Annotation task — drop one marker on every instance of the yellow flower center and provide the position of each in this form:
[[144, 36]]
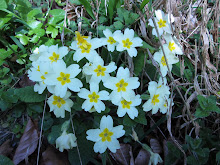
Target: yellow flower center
[[81, 39], [126, 104], [100, 70], [85, 49], [111, 40], [54, 57], [165, 105], [163, 62], [121, 85], [93, 97], [64, 78], [155, 99], [171, 46], [106, 135], [58, 101], [38, 68], [161, 23], [42, 77], [127, 43]]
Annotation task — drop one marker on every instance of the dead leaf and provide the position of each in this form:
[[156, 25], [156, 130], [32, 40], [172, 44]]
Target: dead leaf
[[25, 81], [53, 157], [155, 146], [27, 144], [142, 158], [122, 155], [5, 148]]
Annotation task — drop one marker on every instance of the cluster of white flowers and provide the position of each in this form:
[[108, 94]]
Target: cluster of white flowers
[[50, 71], [159, 92]]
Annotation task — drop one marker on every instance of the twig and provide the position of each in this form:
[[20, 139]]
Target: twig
[[41, 130]]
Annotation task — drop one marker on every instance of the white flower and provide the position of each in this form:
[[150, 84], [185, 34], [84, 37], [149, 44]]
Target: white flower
[[64, 78], [122, 85], [173, 44], [157, 97], [98, 71], [87, 51], [106, 136], [93, 98], [163, 23], [127, 41], [166, 105], [58, 105], [171, 59], [41, 51], [128, 107], [55, 54], [39, 73], [109, 41], [155, 159], [66, 141]]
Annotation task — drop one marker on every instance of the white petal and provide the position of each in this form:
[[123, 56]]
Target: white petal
[[111, 67], [73, 70], [99, 106], [121, 112], [107, 33], [77, 56], [147, 105], [120, 47], [100, 147], [87, 105], [127, 95], [129, 33], [93, 135], [111, 47], [115, 96], [104, 95], [110, 83], [123, 73], [94, 87], [63, 51], [75, 85], [84, 93], [113, 145], [137, 42], [152, 87], [133, 83], [132, 112], [132, 52], [106, 122]]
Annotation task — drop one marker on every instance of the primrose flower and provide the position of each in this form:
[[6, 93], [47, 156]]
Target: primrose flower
[[128, 107], [122, 85], [41, 51], [64, 78], [98, 71], [166, 105], [55, 54], [106, 136], [173, 44], [86, 50], [163, 23], [109, 40], [93, 98], [155, 159], [171, 59], [58, 105], [127, 41], [39, 73], [66, 141], [81, 40], [157, 96]]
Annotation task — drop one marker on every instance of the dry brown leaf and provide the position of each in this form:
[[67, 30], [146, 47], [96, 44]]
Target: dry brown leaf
[[27, 144], [53, 157], [155, 146], [142, 158], [122, 155], [5, 148]]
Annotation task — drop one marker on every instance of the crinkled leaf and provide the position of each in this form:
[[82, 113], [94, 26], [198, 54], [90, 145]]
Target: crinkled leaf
[[23, 39], [52, 30], [28, 95], [58, 15], [33, 13], [34, 24]]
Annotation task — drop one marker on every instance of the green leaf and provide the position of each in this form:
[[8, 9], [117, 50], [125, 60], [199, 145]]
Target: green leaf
[[5, 160], [33, 13], [145, 46], [52, 30], [54, 134], [218, 157], [23, 39], [118, 25], [28, 95], [111, 9], [201, 113], [139, 62], [86, 4], [4, 18], [3, 4], [127, 121], [144, 3], [23, 7], [141, 117], [76, 2], [58, 15], [34, 24]]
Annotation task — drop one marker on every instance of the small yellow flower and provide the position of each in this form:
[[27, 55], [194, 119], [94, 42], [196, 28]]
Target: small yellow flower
[[127, 43], [58, 101], [93, 97], [106, 135], [161, 23], [54, 57], [171, 46], [64, 78], [100, 70], [121, 85]]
